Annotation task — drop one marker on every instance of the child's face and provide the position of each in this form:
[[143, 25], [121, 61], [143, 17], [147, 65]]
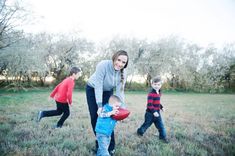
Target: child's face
[[156, 85], [76, 76], [115, 104]]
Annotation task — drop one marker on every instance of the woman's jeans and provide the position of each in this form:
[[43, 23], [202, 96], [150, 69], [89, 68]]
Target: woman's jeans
[[149, 119], [93, 108], [103, 141]]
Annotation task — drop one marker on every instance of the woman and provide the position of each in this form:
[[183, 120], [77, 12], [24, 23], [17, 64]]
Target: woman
[[109, 74]]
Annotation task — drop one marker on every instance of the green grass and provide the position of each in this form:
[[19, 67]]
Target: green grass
[[197, 124]]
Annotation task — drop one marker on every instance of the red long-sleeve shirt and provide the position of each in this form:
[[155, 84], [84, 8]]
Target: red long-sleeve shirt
[[63, 91]]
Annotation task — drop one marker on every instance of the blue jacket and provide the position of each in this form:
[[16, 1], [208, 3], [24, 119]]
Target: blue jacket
[[105, 125]]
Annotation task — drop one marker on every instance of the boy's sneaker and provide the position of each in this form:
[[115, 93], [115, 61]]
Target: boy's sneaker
[[40, 116], [94, 151], [166, 141], [112, 152], [56, 127], [139, 133]]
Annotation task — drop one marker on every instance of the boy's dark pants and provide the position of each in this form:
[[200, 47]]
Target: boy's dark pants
[[93, 108], [60, 108], [149, 119]]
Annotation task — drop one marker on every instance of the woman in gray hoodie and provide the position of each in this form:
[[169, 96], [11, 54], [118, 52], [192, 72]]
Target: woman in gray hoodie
[[109, 74]]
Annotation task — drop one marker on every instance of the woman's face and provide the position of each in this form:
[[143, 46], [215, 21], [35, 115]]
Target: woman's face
[[120, 62]]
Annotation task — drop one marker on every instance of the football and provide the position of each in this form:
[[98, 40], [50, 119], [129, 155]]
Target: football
[[122, 114]]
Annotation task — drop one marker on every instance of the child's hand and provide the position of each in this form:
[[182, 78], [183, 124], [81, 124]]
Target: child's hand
[[50, 99], [113, 112], [156, 114]]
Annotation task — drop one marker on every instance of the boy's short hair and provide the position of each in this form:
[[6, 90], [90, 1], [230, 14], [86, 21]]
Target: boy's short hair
[[116, 98], [156, 80], [74, 70]]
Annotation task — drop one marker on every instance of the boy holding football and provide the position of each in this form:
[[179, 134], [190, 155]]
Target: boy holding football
[[152, 114], [106, 124]]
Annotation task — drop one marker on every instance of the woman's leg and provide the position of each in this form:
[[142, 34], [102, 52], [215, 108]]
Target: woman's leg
[[92, 106]]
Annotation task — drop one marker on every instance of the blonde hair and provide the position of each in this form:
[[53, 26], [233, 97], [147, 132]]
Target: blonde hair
[[114, 98]]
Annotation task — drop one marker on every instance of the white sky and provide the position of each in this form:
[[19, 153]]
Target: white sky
[[200, 21]]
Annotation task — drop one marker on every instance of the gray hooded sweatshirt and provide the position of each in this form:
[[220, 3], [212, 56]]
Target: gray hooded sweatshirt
[[106, 78]]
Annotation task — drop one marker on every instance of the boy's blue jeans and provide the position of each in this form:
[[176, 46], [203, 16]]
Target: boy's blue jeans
[[103, 143], [149, 119]]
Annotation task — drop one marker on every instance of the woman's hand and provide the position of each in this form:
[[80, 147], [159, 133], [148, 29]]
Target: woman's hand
[[99, 110]]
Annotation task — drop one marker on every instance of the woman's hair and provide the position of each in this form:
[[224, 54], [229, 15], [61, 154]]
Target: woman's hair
[[74, 70], [115, 56], [118, 53]]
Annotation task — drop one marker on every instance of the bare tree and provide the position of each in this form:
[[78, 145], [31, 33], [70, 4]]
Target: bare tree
[[11, 16]]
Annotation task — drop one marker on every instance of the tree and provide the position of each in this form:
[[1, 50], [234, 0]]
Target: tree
[[11, 16], [35, 57], [159, 57]]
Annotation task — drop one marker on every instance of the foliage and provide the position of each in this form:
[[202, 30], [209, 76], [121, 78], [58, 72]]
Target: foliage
[[184, 66], [36, 57]]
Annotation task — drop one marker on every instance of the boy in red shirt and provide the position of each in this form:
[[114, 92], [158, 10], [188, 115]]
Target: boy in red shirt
[[63, 98], [152, 114]]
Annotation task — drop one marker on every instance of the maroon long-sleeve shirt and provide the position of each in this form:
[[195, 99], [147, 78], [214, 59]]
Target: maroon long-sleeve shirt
[[153, 101]]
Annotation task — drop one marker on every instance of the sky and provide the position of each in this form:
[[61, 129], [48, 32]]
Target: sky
[[198, 21]]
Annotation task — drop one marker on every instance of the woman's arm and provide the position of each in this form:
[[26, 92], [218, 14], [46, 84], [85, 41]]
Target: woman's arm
[[99, 75]]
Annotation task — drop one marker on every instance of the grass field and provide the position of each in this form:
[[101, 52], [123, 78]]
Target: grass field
[[197, 124]]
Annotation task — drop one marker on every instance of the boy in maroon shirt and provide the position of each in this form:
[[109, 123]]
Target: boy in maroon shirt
[[152, 114], [63, 98]]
